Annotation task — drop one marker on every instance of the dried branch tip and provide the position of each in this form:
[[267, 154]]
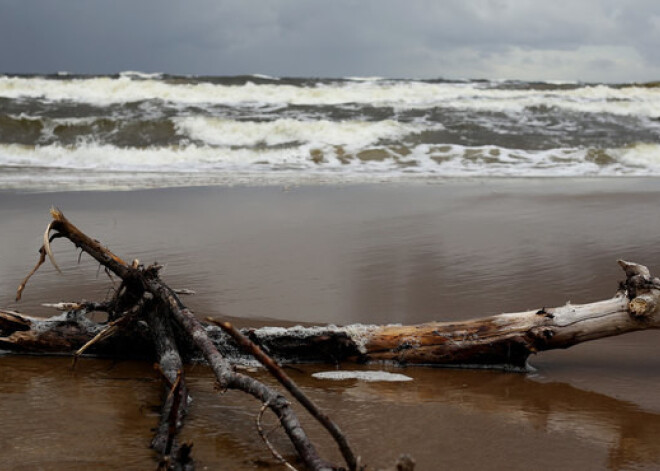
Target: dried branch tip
[[47, 246], [633, 269]]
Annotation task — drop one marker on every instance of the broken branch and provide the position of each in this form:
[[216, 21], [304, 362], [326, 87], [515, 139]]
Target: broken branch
[[279, 374]]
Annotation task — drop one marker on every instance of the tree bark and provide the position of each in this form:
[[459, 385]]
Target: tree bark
[[501, 341]]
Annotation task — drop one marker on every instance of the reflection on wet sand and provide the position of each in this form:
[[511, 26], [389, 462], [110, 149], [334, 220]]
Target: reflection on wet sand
[[97, 417], [101, 415], [629, 433]]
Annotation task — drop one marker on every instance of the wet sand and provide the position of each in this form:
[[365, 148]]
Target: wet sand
[[372, 254]]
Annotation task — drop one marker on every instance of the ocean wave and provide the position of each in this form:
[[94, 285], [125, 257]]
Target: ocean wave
[[264, 77], [352, 134], [103, 91], [134, 74], [36, 130], [155, 129], [366, 79], [141, 131], [383, 161]]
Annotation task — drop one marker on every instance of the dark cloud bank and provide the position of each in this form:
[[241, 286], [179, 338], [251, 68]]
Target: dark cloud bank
[[591, 40]]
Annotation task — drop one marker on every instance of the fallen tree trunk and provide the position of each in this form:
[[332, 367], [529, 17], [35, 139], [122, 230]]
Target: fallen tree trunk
[[501, 341], [148, 320]]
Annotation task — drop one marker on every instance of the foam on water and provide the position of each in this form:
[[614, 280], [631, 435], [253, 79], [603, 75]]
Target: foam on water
[[354, 134], [264, 77], [140, 75], [371, 376], [641, 156], [37, 165], [129, 87], [337, 164]]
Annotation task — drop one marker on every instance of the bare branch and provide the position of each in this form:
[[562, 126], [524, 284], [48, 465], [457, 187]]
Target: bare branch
[[250, 347], [42, 259]]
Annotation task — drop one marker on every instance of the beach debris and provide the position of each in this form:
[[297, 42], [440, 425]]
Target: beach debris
[[143, 299], [147, 320]]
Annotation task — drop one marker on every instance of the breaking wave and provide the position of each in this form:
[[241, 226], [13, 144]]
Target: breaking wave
[[134, 129], [258, 91]]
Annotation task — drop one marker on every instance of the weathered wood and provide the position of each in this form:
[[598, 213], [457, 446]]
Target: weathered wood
[[228, 378], [175, 403], [162, 308], [501, 341]]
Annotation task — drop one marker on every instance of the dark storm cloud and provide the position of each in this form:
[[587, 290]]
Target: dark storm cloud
[[588, 40]]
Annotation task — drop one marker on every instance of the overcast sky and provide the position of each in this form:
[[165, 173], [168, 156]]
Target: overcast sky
[[590, 40]]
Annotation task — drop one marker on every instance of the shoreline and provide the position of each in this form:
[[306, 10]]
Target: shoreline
[[267, 180]]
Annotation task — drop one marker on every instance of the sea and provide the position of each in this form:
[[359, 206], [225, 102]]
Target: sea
[[136, 130]]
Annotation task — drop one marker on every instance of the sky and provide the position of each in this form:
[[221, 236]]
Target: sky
[[585, 40]]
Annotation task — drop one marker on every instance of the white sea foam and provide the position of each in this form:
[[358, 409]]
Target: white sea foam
[[354, 134], [140, 75], [642, 156], [365, 79], [265, 77], [85, 163], [370, 376], [631, 100], [189, 159]]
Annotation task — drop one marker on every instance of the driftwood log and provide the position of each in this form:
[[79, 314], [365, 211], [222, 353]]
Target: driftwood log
[[147, 320], [503, 341]]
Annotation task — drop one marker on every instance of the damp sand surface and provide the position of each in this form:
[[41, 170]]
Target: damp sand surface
[[344, 254]]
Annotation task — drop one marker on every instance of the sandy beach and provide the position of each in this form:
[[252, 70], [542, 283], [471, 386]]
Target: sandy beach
[[388, 253]]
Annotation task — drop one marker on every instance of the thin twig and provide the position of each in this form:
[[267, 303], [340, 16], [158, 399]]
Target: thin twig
[[42, 259], [109, 330], [112, 328], [270, 446], [21, 287], [112, 280]]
